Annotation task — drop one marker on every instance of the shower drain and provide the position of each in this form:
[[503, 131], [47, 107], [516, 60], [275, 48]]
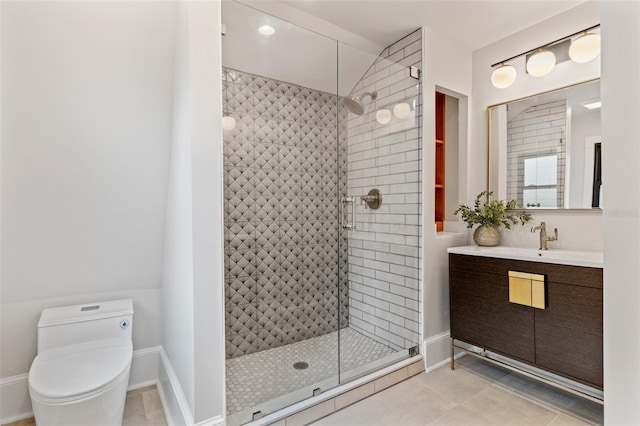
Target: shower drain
[[301, 365]]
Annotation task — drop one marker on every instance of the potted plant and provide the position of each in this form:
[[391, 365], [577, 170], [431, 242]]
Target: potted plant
[[490, 214]]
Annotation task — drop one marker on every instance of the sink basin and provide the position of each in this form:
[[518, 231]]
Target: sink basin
[[592, 259]]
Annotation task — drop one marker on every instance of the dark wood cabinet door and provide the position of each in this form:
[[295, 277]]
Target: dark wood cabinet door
[[482, 315], [568, 333]]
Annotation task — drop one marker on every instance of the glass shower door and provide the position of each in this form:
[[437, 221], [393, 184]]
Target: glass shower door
[[281, 248], [321, 277], [381, 183]]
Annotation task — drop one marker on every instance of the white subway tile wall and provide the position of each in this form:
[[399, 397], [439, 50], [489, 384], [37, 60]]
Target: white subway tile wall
[[384, 250], [537, 131]]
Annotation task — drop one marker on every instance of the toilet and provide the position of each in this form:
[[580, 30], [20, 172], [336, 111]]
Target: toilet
[[81, 372]]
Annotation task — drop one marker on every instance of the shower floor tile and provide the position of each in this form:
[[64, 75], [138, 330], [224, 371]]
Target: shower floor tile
[[262, 376]]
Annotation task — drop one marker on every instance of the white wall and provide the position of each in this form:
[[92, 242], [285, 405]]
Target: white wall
[[447, 68], [621, 128], [86, 96], [577, 230], [208, 249], [177, 276], [193, 292]]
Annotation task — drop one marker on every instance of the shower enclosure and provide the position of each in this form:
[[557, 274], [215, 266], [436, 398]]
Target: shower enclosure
[[322, 275]]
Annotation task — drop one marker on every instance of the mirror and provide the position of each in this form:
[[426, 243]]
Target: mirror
[[545, 150]]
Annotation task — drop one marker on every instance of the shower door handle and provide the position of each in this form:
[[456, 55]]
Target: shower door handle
[[344, 201]]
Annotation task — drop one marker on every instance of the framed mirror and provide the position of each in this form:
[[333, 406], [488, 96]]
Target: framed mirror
[[545, 150]]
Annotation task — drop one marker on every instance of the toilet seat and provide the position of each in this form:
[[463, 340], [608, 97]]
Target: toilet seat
[[74, 372]]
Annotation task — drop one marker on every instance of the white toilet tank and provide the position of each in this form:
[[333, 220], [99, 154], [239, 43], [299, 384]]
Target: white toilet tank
[[82, 323]]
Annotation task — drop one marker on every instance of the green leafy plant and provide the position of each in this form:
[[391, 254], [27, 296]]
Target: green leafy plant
[[492, 212]]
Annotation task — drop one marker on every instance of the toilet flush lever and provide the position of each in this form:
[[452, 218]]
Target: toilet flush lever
[[89, 308]]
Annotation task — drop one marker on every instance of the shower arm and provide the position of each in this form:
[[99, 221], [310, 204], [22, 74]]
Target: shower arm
[[372, 95]]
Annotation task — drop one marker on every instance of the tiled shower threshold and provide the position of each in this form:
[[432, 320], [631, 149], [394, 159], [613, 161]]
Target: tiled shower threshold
[[364, 356], [278, 403], [339, 397]]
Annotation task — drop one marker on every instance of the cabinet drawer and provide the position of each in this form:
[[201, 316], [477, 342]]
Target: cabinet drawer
[[576, 275]]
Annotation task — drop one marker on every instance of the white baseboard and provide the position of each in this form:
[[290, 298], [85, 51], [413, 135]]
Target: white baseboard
[[175, 404], [176, 408], [214, 421], [144, 368], [437, 350], [14, 398]]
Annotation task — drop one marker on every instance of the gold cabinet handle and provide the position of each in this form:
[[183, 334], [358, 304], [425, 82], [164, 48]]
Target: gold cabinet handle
[[527, 289]]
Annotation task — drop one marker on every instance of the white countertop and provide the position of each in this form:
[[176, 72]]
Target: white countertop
[[592, 259]]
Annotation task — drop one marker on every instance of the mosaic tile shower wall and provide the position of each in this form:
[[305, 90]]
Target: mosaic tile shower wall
[[281, 209]]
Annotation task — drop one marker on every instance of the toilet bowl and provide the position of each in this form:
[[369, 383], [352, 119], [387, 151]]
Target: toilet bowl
[[84, 380]]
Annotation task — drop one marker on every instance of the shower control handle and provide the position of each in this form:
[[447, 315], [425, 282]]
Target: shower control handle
[[344, 201]]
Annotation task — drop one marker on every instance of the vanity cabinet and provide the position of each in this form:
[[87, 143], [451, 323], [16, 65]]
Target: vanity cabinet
[[564, 338]]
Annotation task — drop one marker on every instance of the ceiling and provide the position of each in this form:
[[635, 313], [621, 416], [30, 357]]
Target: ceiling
[[300, 54], [292, 54], [472, 23]]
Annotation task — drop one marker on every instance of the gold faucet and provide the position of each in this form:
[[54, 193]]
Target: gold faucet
[[544, 238]]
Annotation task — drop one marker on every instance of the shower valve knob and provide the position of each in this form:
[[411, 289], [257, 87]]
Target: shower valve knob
[[373, 199]]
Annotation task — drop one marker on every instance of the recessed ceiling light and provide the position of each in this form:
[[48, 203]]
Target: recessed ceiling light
[[593, 105], [266, 30]]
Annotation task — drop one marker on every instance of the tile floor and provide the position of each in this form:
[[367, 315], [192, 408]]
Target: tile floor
[[262, 376], [142, 408], [476, 393]]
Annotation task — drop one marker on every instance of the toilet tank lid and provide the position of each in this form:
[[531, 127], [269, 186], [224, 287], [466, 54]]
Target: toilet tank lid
[[85, 312]]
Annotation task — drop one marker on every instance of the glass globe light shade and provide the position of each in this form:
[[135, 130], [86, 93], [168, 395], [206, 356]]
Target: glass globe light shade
[[541, 63], [585, 48], [228, 123], [383, 116], [402, 110], [503, 76]]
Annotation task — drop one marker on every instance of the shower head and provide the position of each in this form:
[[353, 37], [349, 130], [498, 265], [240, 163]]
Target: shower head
[[354, 103]]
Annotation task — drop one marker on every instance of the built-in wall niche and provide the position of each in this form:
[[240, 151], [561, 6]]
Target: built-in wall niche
[[545, 150], [446, 161]]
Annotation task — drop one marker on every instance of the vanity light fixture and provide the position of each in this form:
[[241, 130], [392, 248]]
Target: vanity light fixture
[[585, 48], [402, 110], [266, 30], [383, 116], [228, 123], [503, 76], [542, 60], [541, 63]]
